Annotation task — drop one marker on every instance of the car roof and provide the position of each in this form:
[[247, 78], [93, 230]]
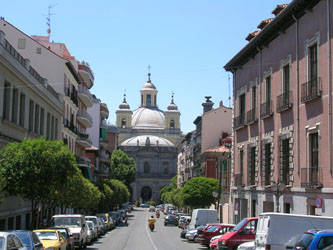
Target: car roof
[[4, 234], [45, 230], [320, 231], [68, 215]]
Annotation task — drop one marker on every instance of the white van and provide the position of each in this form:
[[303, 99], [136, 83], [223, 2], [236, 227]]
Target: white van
[[202, 217], [282, 231], [76, 224]]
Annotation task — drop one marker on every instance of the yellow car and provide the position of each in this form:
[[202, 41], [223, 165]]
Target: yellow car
[[51, 239]]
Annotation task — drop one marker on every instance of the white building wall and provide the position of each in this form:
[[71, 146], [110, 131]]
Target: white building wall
[[95, 113]]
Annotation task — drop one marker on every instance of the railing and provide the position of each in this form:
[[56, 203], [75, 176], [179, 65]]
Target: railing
[[251, 116], [70, 126], [251, 178], [238, 179], [239, 121], [103, 140], [311, 177], [14, 53], [311, 90], [84, 90], [85, 115], [266, 109], [284, 101], [84, 66], [83, 161]]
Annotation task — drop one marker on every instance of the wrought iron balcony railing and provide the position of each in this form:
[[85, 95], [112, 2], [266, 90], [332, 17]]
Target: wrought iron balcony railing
[[284, 101], [311, 177], [251, 116], [266, 109], [239, 121], [311, 90]]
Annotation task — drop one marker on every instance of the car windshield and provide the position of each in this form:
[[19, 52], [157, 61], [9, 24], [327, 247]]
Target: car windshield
[[200, 227], [2, 240], [305, 240], [47, 235], [240, 225], [90, 225], [67, 221], [24, 237], [212, 229]]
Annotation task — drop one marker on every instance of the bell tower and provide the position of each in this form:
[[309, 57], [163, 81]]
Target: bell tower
[[124, 115], [172, 116], [148, 94]]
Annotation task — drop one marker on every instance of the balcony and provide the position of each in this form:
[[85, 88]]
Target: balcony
[[239, 121], [251, 116], [85, 95], [311, 90], [86, 74], [70, 126], [103, 141], [251, 178], [266, 109], [72, 95], [104, 111], [83, 162], [284, 101], [83, 140], [311, 177], [238, 179], [84, 118]]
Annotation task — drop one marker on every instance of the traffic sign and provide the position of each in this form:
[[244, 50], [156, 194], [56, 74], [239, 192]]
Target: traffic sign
[[319, 201]]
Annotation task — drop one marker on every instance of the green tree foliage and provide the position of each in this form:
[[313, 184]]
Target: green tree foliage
[[36, 169], [106, 198], [2, 186], [122, 167], [166, 192], [197, 192], [120, 191]]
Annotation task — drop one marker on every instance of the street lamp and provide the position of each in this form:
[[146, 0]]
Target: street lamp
[[278, 189]]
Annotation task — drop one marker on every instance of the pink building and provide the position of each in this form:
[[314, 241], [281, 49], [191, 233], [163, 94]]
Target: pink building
[[282, 150]]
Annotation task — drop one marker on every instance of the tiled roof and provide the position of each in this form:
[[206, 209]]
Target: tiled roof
[[220, 149], [252, 34], [279, 8], [264, 23]]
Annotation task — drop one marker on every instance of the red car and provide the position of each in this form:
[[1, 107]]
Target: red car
[[212, 230], [244, 231]]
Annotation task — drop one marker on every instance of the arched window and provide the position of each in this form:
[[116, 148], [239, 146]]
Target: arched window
[[146, 168], [172, 124], [165, 167], [148, 100], [123, 123], [141, 100]]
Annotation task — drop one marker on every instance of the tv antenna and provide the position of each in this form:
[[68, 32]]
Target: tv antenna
[[48, 19]]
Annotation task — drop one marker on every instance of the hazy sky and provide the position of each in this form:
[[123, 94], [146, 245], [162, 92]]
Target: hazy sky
[[186, 42]]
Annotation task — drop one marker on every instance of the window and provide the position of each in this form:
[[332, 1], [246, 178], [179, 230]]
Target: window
[[10, 223], [325, 242], [148, 100], [242, 106], [48, 126], [52, 128], [39, 50], [287, 208], [21, 43], [123, 123], [313, 63], [141, 100], [146, 168], [172, 124], [36, 119], [252, 165], [31, 115], [6, 101], [268, 89], [314, 158], [41, 125], [15, 106], [27, 221], [56, 129], [155, 100], [165, 167], [285, 161], [2, 224], [267, 164], [22, 110], [241, 166], [286, 79], [18, 222], [254, 98]]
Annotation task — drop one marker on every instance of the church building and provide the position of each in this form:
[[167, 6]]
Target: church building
[[150, 136]]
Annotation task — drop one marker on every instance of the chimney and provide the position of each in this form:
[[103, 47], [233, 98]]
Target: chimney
[[208, 105]]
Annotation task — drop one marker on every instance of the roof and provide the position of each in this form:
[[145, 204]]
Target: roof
[[281, 22], [147, 118], [219, 149], [147, 140]]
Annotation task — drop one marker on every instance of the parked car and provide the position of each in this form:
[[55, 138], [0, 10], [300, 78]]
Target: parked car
[[170, 220], [204, 235], [106, 219], [213, 242], [183, 220], [315, 240], [101, 226], [67, 235], [144, 205], [51, 239], [251, 245], [202, 217], [9, 240], [192, 233], [269, 233], [76, 224], [29, 239], [245, 231], [152, 209], [92, 232], [116, 216], [96, 222]]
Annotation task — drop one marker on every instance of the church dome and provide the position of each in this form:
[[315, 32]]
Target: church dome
[[148, 85], [124, 104], [147, 140], [148, 118], [172, 105]]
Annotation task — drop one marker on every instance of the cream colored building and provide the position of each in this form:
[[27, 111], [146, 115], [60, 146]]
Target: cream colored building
[[29, 108], [150, 136]]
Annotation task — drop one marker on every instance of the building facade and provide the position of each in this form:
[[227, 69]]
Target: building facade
[[282, 151], [29, 108], [150, 136]]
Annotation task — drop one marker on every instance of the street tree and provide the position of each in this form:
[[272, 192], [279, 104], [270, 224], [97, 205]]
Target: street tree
[[120, 190], [198, 192], [166, 192], [34, 169], [105, 203], [122, 167]]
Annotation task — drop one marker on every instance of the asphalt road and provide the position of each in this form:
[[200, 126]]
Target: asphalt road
[[137, 236]]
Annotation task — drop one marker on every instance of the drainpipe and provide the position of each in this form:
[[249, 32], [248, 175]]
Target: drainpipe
[[298, 100], [259, 120], [329, 64], [232, 169]]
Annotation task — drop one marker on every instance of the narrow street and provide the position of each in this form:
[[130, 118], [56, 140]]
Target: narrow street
[[137, 236]]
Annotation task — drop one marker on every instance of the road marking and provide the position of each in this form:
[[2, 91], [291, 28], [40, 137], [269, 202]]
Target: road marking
[[151, 240]]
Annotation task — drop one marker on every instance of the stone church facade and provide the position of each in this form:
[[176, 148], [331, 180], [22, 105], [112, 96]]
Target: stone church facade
[[150, 136]]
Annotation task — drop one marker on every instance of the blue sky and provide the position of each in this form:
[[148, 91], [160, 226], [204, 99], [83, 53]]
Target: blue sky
[[186, 42]]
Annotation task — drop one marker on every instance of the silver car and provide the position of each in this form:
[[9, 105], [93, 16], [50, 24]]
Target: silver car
[[92, 231], [9, 240]]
